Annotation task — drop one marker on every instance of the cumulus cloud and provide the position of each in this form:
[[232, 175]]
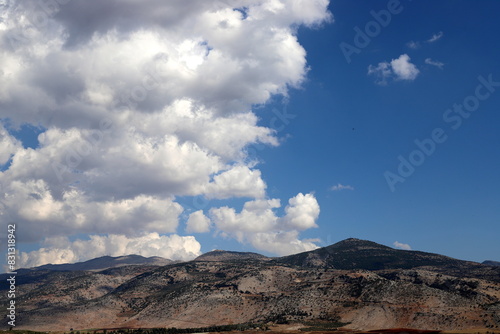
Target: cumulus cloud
[[438, 64], [301, 212], [198, 223], [142, 103], [259, 225], [400, 245], [8, 145], [282, 243], [58, 250], [382, 72], [398, 69], [340, 187], [403, 69], [32, 201], [239, 181]]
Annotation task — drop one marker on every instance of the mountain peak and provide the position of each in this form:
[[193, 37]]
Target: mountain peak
[[358, 242], [355, 253]]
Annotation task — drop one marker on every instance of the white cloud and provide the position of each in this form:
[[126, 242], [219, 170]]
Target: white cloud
[[258, 224], [63, 214], [416, 44], [398, 69], [256, 216], [282, 243], [435, 37], [434, 63], [238, 181], [400, 245], [198, 223], [301, 212], [340, 187], [382, 71], [8, 145], [62, 250], [403, 69], [143, 103]]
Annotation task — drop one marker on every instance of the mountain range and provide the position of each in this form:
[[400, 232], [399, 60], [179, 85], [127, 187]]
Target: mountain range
[[105, 262], [359, 284]]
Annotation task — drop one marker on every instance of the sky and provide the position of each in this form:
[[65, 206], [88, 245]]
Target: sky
[[172, 128]]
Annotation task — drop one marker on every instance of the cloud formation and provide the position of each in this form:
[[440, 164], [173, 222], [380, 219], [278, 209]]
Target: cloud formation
[[8, 145], [198, 223], [435, 37], [438, 64], [340, 187], [400, 245], [60, 250], [140, 103], [397, 69], [403, 69], [259, 225]]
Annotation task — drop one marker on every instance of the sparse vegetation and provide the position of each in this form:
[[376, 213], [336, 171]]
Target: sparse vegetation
[[15, 331], [314, 326], [173, 330]]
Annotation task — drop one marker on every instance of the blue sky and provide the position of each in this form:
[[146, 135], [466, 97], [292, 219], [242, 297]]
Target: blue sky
[[275, 143], [449, 205]]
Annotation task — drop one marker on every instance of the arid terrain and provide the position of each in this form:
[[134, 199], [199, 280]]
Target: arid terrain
[[359, 284]]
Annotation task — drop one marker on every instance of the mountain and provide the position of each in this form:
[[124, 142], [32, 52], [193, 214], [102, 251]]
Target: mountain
[[107, 262], [491, 263], [358, 284], [220, 255], [353, 254], [361, 254]]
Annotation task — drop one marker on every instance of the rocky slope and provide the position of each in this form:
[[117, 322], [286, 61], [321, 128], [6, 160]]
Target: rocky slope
[[221, 255], [491, 263], [399, 289]]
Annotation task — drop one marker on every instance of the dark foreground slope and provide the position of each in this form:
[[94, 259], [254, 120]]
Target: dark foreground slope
[[491, 263], [204, 293]]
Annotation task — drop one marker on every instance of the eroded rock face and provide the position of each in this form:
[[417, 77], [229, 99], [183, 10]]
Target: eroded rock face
[[452, 295]]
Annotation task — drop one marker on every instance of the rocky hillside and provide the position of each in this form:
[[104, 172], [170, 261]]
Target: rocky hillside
[[362, 254], [221, 255], [491, 263], [300, 288]]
